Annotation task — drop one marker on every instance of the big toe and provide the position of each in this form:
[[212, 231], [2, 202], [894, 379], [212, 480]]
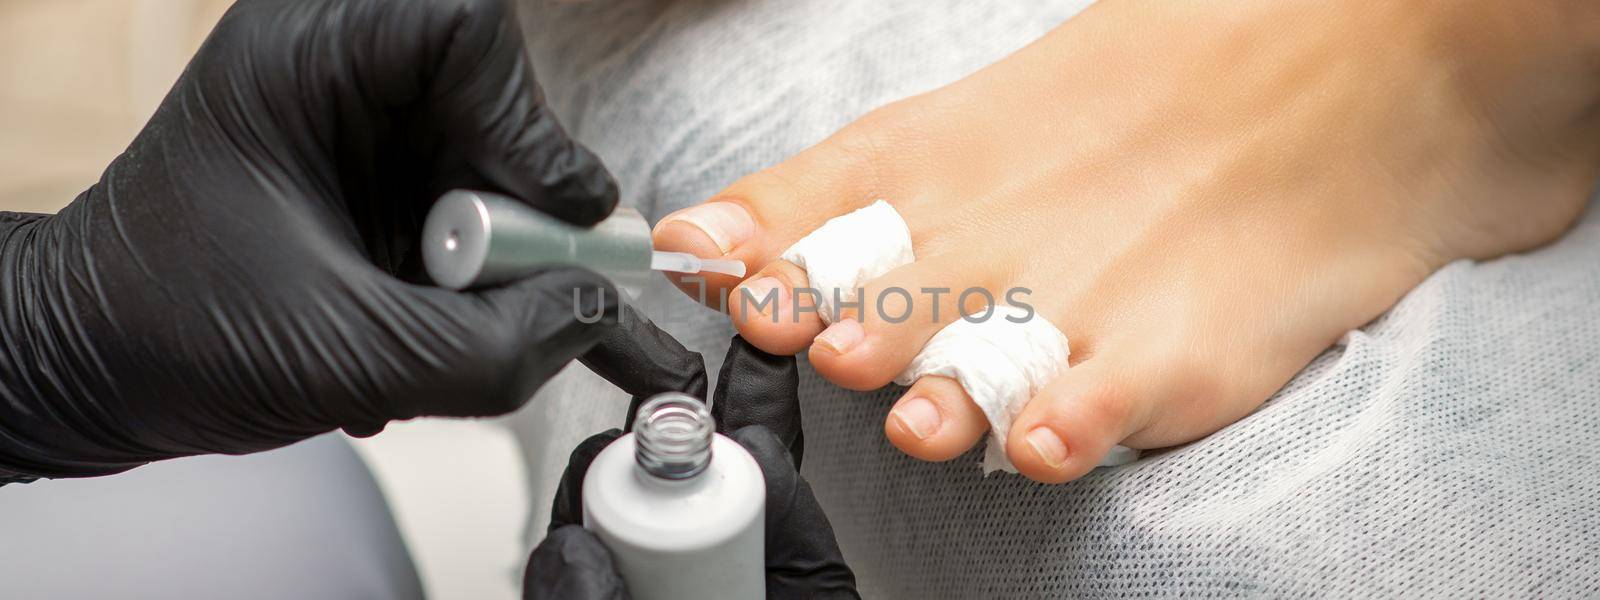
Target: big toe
[[754, 221], [716, 229]]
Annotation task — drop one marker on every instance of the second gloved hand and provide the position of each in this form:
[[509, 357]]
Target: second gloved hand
[[245, 275], [757, 405]]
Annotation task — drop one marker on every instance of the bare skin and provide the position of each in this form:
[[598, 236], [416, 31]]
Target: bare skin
[[1201, 196]]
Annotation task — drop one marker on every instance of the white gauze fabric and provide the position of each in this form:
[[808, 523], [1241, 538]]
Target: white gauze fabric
[[1001, 360], [850, 250]]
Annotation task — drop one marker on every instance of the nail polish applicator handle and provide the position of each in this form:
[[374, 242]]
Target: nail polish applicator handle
[[474, 239]]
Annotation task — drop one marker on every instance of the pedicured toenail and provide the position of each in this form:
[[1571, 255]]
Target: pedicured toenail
[[840, 337], [726, 223], [918, 416], [1048, 447], [764, 295]]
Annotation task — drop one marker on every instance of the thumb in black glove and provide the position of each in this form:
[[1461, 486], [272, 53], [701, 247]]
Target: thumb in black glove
[[245, 275], [757, 405]]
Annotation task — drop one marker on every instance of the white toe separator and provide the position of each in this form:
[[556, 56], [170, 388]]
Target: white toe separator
[[850, 250], [1001, 361]]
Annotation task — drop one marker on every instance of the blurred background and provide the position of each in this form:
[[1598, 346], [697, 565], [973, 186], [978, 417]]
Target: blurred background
[[78, 79]]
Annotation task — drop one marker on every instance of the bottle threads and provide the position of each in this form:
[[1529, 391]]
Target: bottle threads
[[672, 436]]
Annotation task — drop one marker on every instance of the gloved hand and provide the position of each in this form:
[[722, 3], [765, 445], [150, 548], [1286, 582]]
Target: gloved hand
[[247, 273], [757, 404]]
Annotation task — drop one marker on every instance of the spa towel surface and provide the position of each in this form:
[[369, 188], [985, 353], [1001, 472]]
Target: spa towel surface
[[1449, 448]]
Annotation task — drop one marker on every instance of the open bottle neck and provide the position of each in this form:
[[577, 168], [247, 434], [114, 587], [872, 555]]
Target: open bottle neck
[[672, 437]]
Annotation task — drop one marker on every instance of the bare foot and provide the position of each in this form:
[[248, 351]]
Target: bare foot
[[1201, 196]]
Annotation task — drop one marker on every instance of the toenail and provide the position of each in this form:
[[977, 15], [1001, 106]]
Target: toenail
[[918, 416], [726, 223], [1048, 447], [765, 295], [842, 336]]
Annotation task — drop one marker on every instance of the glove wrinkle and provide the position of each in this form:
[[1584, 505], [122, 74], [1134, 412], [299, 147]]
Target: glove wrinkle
[[572, 564]]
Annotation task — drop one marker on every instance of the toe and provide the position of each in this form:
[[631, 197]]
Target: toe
[[761, 215], [935, 420], [898, 313], [769, 312], [1070, 426], [710, 230]]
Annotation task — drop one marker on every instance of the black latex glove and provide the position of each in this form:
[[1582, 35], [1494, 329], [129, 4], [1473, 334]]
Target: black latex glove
[[247, 273], [757, 400]]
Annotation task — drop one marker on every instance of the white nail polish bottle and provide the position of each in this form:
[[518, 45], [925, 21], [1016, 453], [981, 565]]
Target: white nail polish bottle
[[680, 507]]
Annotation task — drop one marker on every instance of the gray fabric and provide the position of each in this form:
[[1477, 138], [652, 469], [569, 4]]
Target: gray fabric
[[1447, 449], [306, 521]]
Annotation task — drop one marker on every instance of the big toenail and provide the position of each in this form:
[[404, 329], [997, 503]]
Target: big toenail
[[918, 416], [842, 336], [726, 223], [1048, 447]]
